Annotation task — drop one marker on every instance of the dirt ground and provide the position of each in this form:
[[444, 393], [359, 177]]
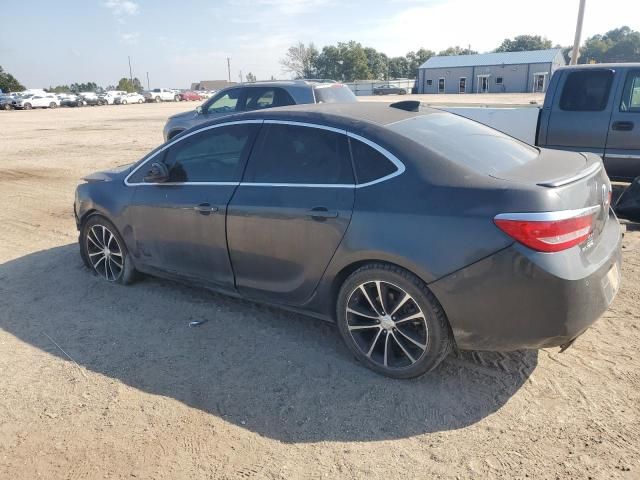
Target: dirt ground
[[104, 381]]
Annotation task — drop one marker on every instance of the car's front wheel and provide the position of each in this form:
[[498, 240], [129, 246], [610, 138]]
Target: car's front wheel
[[27, 106], [139, 101], [392, 322], [104, 251]]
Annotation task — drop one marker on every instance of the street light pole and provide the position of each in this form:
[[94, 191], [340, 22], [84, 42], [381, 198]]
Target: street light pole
[[229, 68], [576, 41], [130, 72]]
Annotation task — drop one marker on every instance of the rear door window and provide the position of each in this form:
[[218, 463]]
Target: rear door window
[[631, 93], [295, 154], [259, 98], [586, 91]]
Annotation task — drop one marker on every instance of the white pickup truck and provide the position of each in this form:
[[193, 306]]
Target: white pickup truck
[[587, 108], [161, 95]]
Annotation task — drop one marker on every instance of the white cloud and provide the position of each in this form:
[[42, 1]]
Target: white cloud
[[122, 7], [484, 25], [284, 7], [130, 38]]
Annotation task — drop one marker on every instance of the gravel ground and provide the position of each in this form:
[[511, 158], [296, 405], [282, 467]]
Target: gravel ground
[[105, 381]]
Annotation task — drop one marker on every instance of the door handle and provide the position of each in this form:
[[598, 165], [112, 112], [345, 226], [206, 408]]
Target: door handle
[[321, 213], [623, 126], [205, 209]]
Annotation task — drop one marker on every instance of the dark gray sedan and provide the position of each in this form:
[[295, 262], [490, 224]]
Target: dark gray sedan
[[413, 229]]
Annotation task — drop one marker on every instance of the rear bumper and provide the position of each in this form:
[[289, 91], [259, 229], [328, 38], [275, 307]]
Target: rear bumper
[[519, 299]]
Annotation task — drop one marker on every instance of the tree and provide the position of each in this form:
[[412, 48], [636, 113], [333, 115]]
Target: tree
[[300, 60], [398, 67], [617, 45], [415, 59], [84, 87], [377, 63], [8, 82], [128, 86], [58, 89], [251, 77], [523, 43], [457, 51]]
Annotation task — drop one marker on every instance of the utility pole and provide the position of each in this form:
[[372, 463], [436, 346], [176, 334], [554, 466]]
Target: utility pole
[[130, 72], [229, 68], [240, 76], [148, 87], [576, 40]]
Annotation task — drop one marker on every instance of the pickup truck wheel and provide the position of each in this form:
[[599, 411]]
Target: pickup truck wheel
[[158, 99]]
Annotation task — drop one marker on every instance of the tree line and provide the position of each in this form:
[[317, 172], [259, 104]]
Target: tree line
[[349, 61]]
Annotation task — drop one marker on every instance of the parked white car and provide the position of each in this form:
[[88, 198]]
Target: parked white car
[[130, 98], [110, 96], [36, 101], [161, 95]]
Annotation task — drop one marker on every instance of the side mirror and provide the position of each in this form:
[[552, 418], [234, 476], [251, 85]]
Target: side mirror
[[157, 174], [199, 109]]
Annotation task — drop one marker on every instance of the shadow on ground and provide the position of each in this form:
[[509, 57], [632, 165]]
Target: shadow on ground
[[279, 374]]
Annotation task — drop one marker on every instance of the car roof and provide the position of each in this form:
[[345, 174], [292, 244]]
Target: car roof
[[338, 115]]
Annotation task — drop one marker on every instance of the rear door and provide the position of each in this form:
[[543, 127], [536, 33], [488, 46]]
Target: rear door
[[582, 111], [622, 156], [289, 214]]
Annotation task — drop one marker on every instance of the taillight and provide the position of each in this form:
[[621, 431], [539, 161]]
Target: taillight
[[549, 231]]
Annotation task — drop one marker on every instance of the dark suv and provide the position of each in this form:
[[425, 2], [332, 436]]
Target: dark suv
[[258, 96]]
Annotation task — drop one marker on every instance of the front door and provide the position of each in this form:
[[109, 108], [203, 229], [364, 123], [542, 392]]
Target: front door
[[483, 84], [289, 214], [539, 82], [622, 155], [178, 226]]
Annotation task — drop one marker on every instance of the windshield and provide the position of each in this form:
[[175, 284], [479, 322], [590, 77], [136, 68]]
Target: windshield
[[334, 93], [466, 142]]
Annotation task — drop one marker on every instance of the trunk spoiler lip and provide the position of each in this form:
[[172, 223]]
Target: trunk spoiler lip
[[586, 172]]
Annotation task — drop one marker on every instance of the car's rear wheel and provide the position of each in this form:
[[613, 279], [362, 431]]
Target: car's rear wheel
[[6, 106], [53, 105], [124, 102], [392, 322], [177, 98], [104, 251], [139, 101], [158, 99]]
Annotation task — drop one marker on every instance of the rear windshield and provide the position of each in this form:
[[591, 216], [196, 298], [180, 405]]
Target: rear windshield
[[466, 142], [334, 93]]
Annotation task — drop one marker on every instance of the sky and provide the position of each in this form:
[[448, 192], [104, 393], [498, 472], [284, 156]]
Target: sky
[[50, 43]]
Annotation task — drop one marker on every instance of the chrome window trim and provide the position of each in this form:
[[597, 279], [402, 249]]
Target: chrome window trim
[[400, 168], [390, 156], [173, 142], [548, 216]]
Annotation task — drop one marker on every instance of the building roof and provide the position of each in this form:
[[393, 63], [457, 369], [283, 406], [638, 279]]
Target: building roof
[[486, 59]]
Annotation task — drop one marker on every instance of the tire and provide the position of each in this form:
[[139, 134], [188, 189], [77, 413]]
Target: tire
[[413, 346], [139, 102], [176, 98], [6, 106], [97, 232], [27, 106], [158, 99], [53, 105], [403, 92], [123, 102]]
